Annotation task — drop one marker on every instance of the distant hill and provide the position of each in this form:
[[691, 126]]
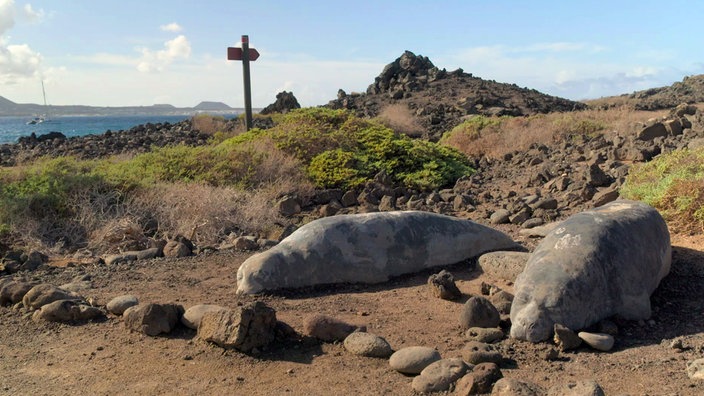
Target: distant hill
[[689, 90], [441, 99], [207, 106], [10, 108]]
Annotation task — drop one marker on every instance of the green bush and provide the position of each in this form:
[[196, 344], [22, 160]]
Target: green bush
[[674, 184], [472, 128], [413, 163]]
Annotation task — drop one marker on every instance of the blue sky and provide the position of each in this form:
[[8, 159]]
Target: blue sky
[[114, 53]]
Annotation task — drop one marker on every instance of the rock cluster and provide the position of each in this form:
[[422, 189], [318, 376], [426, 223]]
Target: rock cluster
[[138, 139], [285, 102], [440, 98]]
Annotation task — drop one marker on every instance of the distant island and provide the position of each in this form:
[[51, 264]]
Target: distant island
[[10, 108]]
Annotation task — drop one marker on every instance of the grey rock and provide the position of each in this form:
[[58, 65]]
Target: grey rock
[[412, 360], [349, 199], [245, 243], [442, 285], [479, 352], [175, 249], [501, 216], [119, 304], [45, 293], [578, 388], [367, 344], [366, 248], [439, 375], [245, 328], [289, 206], [533, 222], [329, 329], [545, 203], [503, 265], [502, 300], [653, 131], [479, 312], [193, 315], [67, 311], [12, 291], [613, 256], [602, 197], [387, 204], [565, 338], [598, 341], [484, 335], [514, 387], [152, 319]]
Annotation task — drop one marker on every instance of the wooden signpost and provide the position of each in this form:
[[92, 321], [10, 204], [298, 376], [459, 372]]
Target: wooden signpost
[[245, 54]]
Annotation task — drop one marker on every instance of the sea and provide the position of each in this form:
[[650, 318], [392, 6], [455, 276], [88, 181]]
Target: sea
[[12, 128]]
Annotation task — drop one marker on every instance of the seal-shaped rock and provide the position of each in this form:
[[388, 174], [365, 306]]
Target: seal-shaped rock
[[599, 263], [367, 248]]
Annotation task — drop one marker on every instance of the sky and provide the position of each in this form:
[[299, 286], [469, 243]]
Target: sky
[[144, 52]]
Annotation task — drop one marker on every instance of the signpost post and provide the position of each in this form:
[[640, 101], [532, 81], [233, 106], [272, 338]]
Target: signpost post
[[245, 54]]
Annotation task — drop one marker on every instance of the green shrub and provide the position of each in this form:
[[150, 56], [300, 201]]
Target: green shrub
[[472, 128], [413, 163], [674, 184]]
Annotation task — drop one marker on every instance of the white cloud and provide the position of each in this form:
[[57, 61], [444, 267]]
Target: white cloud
[[7, 15], [565, 69], [19, 61], [32, 15], [171, 27], [178, 48]]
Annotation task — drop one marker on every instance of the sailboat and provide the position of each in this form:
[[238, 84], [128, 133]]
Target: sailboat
[[42, 117]]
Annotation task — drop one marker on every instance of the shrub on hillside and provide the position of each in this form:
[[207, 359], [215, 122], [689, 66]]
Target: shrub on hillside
[[674, 184]]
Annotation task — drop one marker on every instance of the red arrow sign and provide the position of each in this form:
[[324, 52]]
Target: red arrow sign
[[235, 53]]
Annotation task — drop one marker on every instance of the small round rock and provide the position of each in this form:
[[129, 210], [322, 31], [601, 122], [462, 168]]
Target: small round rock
[[439, 375], [598, 341], [119, 304], [412, 360], [367, 344]]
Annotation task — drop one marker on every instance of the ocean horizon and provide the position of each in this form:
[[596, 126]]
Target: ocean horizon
[[12, 128]]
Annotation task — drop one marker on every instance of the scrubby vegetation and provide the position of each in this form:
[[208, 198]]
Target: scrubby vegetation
[[674, 184], [209, 191], [495, 136]]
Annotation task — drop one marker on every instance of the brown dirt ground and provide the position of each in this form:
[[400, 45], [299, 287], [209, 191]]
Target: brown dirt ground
[[103, 358]]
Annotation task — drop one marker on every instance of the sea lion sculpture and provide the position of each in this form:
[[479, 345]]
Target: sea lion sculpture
[[596, 264], [367, 248]]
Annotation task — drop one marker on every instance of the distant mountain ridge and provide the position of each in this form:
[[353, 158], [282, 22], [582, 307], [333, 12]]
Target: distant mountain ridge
[[10, 108]]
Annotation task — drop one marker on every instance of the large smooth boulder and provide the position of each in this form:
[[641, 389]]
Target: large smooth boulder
[[596, 264], [367, 248]]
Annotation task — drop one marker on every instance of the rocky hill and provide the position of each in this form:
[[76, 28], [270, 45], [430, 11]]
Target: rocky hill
[[440, 99], [689, 90]]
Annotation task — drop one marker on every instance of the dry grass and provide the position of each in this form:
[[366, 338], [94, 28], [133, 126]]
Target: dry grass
[[208, 124], [508, 134], [402, 120]]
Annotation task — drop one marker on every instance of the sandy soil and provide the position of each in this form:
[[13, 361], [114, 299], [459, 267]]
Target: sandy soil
[[103, 358]]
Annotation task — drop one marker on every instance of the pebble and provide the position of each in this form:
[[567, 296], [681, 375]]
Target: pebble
[[440, 375], [598, 341], [479, 312], [119, 304], [367, 344], [478, 352], [413, 359]]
